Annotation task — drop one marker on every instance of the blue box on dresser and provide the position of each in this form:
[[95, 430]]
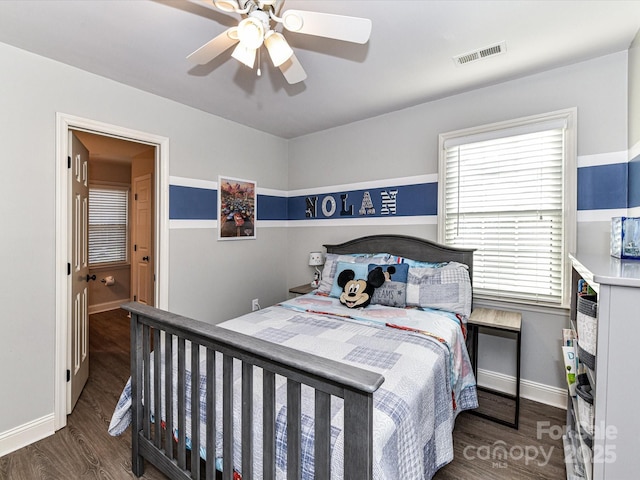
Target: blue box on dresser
[[625, 237]]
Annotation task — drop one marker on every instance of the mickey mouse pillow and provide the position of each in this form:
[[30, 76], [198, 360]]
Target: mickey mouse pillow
[[358, 292]]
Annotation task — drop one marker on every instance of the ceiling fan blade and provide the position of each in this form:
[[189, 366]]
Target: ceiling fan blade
[[215, 47], [339, 27], [292, 70]]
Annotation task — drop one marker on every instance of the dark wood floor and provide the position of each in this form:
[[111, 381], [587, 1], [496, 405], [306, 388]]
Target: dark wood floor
[[84, 449], [487, 450]]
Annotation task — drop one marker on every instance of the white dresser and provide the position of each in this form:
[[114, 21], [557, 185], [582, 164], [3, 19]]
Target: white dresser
[[615, 454]]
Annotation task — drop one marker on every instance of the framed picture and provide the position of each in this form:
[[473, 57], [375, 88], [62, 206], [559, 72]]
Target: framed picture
[[237, 201]]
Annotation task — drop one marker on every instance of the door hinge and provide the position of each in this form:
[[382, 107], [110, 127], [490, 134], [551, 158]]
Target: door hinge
[[135, 298], [69, 161], [68, 269], [68, 375], [135, 248], [135, 196]]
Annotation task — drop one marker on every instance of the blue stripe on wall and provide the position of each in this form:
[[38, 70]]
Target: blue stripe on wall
[[602, 187], [190, 203], [403, 201], [272, 208], [634, 182]]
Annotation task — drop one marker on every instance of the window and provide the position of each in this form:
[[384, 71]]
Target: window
[[108, 224], [508, 190]]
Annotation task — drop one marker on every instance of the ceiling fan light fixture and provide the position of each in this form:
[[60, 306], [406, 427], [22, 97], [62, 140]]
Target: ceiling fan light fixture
[[279, 49], [251, 32], [244, 55], [226, 5], [292, 21], [232, 33]]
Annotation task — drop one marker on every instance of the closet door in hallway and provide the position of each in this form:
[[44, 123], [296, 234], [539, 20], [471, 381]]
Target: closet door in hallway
[[142, 233]]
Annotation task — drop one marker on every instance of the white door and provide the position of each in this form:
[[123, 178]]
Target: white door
[[78, 342], [143, 271]]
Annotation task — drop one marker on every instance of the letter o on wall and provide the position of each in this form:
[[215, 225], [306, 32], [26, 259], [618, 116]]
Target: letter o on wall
[[327, 210]]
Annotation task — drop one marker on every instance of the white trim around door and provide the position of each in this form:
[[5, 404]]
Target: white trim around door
[[64, 123]]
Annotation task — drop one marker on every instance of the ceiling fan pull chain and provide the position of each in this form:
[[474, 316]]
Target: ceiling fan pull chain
[[258, 70]]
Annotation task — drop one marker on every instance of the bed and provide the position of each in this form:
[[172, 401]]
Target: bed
[[310, 388]]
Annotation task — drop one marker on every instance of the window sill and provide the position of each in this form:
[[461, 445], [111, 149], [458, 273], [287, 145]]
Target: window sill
[[493, 302], [109, 266]]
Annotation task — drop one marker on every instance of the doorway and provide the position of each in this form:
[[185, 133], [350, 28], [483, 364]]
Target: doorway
[[121, 254], [151, 178]]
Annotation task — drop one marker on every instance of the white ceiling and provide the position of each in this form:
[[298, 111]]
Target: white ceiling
[[408, 60]]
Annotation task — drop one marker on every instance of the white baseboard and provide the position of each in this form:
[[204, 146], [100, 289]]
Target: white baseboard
[[105, 307], [538, 392], [26, 434]]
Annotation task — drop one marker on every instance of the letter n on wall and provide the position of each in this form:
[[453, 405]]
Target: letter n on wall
[[311, 210]]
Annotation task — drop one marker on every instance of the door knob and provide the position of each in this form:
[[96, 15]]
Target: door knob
[[145, 259], [90, 277]]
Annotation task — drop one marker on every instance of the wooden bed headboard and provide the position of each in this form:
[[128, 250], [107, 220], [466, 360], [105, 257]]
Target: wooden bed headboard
[[406, 246]]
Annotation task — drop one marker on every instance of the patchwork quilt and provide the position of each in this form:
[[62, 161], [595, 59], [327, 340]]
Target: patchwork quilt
[[420, 352]]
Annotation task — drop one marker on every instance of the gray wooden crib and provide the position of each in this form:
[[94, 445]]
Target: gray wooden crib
[[165, 444]]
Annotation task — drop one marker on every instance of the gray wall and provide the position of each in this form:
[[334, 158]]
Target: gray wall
[[208, 279], [405, 143], [634, 92], [634, 127]]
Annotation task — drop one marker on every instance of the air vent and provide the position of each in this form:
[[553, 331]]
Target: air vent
[[489, 51]]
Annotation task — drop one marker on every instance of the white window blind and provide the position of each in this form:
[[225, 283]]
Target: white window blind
[[505, 196], [108, 216]]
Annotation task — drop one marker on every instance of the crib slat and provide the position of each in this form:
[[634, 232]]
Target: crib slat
[[182, 445], [322, 433], [269, 425], [247, 421], [294, 466], [146, 390], [358, 435], [211, 414], [195, 411], [168, 387], [227, 418], [157, 389], [137, 361]]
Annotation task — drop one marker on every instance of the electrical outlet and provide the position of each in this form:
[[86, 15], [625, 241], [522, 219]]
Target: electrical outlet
[[255, 305]]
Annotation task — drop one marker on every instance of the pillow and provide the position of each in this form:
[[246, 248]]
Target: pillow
[[357, 292], [332, 259], [361, 271], [393, 291], [444, 288], [420, 264]]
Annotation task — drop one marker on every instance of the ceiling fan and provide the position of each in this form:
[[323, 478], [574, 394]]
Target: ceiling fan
[[257, 28]]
